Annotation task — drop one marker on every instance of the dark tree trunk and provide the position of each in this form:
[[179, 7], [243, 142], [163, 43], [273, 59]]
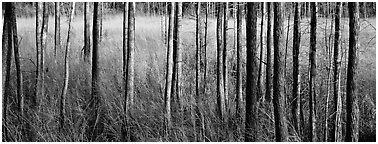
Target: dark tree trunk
[[296, 45], [335, 131], [198, 62], [259, 80], [220, 86], [57, 27], [251, 85], [312, 84], [278, 78], [352, 110], [269, 60], [124, 129], [239, 80], [95, 107], [87, 37]]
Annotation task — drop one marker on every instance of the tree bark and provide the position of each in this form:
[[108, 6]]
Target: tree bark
[[296, 46], [66, 70], [269, 60], [130, 54], [87, 37], [225, 61], [179, 89], [40, 82], [335, 131], [239, 80], [125, 130], [169, 75], [251, 86], [57, 27], [198, 67], [278, 78], [7, 45], [312, 85], [220, 83], [95, 107], [259, 80], [352, 110]]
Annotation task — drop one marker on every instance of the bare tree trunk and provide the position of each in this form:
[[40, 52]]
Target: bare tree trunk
[[225, 61], [352, 110], [130, 54], [95, 108], [100, 25], [87, 37], [57, 27], [178, 29], [312, 85], [220, 86], [239, 92], [205, 48], [7, 46], [198, 61], [269, 60], [169, 72], [40, 82], [125, 130], [259, 80], [278, 78], [67, 70], [251, 86], [336, 111], [296, 46]]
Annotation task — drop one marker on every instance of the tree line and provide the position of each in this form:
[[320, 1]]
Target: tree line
[[247, 113]]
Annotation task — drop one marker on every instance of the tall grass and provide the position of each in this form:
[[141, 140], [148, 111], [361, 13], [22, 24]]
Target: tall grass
[[147, 117]]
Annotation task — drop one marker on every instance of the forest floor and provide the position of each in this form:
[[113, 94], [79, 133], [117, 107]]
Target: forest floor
[[150, 58]]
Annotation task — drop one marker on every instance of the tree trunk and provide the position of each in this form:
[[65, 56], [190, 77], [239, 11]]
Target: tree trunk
[[269, 60], [40, 82], [67, 70], [87, 37], [124, 129], [95, 107], [220, 87], [198, 67], [225, 61], [335, 130], [177, 29], [239, 80], [100, 24], [7, 46], [312, 84], [352, 110], [259, 80], [168, 84], [296, 47], [57, 27], [251, 86], [278, 78], [130, 54]]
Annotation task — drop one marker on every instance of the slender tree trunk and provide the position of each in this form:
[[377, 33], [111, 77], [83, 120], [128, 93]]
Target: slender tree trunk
[[225, 61], [198, 67], [239, 80], [130, 54], [260, 76], [336, 111], [312, 85], [125, 130], [296, 46], [269, 60], [87, 37], [169, 75], [278, 78], [251, 86], [100, 25], [7, 45], [66, 70], [95, 108], [352, 110], [205, 48], [57, 27], [220, 83], [179, 54], [40, 83]]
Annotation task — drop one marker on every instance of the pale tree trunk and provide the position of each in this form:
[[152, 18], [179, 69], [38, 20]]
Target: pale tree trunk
[[57, 28], [66, 69], [130, 54], [269, 60], [281, 130], [352, 110], [335, 130], [296, 46], [259, 80], [169, 73], [312, 137], [87, 37], [180, 78], [220, 86], [252, 73], [239, 80], [225, 61]]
